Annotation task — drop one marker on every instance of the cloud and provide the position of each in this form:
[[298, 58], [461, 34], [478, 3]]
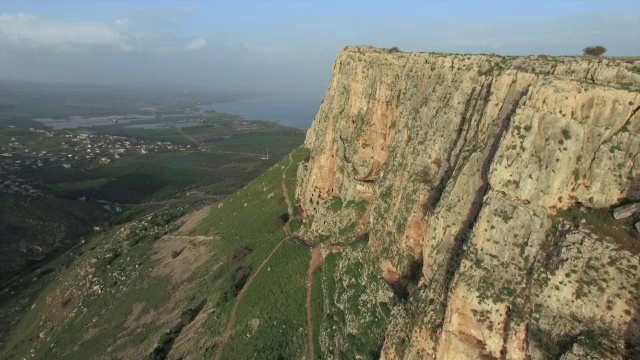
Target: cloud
[[122, 22], [30, 30], [196, 44], [141, 34]]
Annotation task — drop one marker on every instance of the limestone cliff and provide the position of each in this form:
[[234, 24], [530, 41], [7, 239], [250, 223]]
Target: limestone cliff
[[483, 185]]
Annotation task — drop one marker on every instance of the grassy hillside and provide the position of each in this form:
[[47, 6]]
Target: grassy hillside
[[224, 282]]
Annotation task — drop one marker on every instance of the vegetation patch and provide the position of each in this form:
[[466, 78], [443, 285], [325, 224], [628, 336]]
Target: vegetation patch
[[351, 283], [600, 220], [165, 343], [336, 203], [240, 278], [277, 297], [239, 254]]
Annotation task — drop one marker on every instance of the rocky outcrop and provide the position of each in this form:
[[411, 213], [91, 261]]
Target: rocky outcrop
[[493, 177], [625, 211]]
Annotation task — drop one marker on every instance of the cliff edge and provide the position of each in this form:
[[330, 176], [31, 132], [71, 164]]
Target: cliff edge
[[483, 188]]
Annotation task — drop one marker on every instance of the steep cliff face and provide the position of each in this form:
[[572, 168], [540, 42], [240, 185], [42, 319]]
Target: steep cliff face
[[483, 186]]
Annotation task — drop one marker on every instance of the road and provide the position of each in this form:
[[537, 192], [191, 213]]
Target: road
[[175, 201]]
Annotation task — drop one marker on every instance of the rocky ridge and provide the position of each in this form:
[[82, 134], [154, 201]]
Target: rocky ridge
[[483, 185]]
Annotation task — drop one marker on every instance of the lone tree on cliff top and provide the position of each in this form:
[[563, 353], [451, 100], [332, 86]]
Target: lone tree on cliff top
[[594, 50]]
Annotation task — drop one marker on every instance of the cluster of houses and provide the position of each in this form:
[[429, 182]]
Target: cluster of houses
[[15, 185], [17, 157], [246, 125], [106, 148]]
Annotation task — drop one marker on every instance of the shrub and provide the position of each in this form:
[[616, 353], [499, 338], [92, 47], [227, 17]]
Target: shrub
[[394, 49], [335, 204], [176, 253], [281, 219], [240, 278], [240, 253], [425, 177], [294, 225], [594, 50]]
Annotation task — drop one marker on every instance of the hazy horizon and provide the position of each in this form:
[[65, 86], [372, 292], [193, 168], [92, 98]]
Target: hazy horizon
[[282, 47]]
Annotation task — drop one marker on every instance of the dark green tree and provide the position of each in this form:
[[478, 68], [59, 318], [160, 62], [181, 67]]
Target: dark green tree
[[594, 50]]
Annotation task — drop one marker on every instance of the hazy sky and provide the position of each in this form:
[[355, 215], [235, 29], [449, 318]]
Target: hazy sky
[[283, 47]]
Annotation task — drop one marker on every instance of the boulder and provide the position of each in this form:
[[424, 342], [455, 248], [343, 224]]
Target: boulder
[[625, 211]]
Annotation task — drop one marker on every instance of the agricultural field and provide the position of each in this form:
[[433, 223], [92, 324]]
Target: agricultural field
[[215, 157]]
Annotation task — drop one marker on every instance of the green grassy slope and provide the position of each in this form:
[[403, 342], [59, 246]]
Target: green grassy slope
[[133, 293], [232, 285], [252, 218]]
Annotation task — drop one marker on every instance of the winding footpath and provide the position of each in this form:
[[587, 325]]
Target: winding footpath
[[189, 137], [286, 196], [232, 317], [314, 263]]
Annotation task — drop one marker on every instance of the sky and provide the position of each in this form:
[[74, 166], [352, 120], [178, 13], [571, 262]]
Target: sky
[[283, 47]]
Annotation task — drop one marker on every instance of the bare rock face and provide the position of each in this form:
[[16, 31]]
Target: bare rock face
[[467, 168]]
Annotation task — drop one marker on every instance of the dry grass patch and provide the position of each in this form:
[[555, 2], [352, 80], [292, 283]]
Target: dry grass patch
[[179, 256], [191, 220], [192, 339]]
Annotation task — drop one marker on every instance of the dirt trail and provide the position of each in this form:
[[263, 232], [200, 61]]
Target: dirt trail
[[232, 317], [317, 257], [188, 137], [239, 153], [315, 263], [286, 196], [176, 201]]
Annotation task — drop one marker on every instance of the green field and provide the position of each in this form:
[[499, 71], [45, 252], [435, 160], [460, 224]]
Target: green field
[[57, 174], [164, 135], [231, 158], [273, 311], [79, 185]]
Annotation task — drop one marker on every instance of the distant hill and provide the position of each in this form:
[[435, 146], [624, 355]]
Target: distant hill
[[33, 227]]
